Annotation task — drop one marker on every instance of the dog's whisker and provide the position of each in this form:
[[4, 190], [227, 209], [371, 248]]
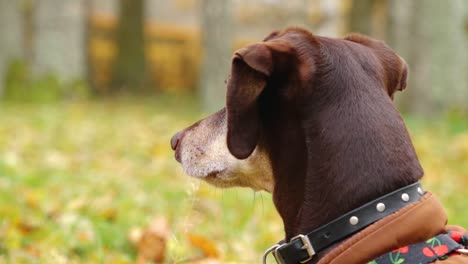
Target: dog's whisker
[[263, 205]]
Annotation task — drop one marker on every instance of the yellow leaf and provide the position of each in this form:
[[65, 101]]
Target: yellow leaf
[[207, 246]]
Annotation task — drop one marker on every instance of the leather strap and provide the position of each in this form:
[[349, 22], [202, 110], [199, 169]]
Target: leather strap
[[302, 248]]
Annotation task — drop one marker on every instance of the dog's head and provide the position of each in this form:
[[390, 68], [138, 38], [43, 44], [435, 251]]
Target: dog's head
[[202, 151], [273, 87]]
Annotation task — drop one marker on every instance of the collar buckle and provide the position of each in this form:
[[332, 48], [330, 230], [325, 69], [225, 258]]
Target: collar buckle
[[272, 250], [307, 246]]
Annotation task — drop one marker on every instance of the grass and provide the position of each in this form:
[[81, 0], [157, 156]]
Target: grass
[[76, 178]]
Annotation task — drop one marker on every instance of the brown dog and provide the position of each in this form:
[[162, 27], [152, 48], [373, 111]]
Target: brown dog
[[310, 119]]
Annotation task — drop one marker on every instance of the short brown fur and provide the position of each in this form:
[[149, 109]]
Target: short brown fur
[[322, 110]]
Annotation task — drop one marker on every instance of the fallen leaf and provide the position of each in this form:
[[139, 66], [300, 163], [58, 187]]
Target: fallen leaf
[[205, 261], [84, 236], [34, 251], [151, 242], [27, 227], [109, 214], [207, 246], [77, 203]]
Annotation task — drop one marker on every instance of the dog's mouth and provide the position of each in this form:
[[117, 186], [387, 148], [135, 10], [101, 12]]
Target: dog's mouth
[[221, 179], [219, 176], [202, 170], [214, 174]]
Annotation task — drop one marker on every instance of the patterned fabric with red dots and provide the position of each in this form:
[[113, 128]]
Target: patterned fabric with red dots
[[439, 247]]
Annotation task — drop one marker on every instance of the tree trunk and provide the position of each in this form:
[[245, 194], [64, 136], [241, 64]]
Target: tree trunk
[[360, 19], [130, 70], [59, 43], [330, 24], [10, 36], [431, 36], [217, 44], [400, 29], [102, 15], [105, 7]]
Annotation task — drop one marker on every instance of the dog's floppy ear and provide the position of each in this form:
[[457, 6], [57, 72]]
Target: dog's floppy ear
[[395, 67], [397, 75], [403, 77], [251, 67]]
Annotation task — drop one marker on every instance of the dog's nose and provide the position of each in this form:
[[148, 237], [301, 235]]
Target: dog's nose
[[175, 140]]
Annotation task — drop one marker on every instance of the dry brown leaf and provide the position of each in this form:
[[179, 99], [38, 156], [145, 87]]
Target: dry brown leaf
[[109, 213], [26, 228], [34, 251], [151, 241], [84, 236], [207, 246]]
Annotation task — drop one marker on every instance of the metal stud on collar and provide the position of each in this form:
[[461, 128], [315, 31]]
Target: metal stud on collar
[[354, 220], [380, 207], [405, 197], [420, 191]]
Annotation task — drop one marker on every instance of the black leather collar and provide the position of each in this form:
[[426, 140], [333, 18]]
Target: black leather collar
[[302, 248]]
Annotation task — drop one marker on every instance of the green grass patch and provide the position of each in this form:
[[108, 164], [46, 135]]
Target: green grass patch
[[77, 177]]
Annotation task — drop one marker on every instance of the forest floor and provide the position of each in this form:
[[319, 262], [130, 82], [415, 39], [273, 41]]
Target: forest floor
[[80, 180]]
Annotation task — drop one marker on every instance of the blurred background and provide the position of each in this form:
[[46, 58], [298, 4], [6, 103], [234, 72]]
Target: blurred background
[[92, 90]]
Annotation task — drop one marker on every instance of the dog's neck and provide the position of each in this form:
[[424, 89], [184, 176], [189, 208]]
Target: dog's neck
[[355, 151]]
